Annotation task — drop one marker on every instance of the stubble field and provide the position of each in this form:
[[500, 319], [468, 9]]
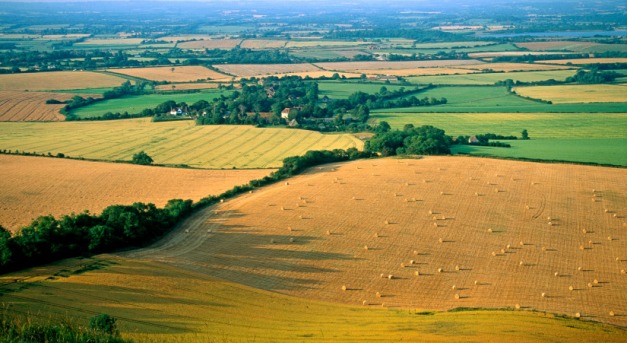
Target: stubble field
[[173, 74], [60, 80], [576, 93], [35, 186], [31, 106], [180, 142], [438, 233], [249, 70]]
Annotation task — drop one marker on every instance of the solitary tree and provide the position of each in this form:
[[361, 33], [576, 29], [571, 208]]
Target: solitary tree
[[525, 134], [142, 158]]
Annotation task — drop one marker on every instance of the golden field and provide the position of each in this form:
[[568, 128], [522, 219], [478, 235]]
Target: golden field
[[57, 80], [173, 74], [383, 65], [438, 233], [580, 61], [415, 71], [35, 186], [210, 44], [31, 106], [249, 70], [187, 86], [508, 67], [571, 94]]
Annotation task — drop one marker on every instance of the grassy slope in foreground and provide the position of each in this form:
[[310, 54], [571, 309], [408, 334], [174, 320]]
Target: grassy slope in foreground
[[158, 302], [577, 137], [182, 142]]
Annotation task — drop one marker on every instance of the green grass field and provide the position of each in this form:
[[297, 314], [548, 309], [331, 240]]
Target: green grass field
[[342, 90], [482, 99], [580, 137], [85, 90], [157, 302], [135, 104], [180, 142], [491, 78]]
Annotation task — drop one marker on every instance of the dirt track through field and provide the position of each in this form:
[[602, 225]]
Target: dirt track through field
[[451, 232]]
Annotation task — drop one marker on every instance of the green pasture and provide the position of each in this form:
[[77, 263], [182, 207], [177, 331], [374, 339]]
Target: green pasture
[[135, 104], [579, 137], [342, 90], [85, 90], [481, 99], [179, 142], [491, 78]]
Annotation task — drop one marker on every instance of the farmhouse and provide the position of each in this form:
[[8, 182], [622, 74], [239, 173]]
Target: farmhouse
[[473, 140]]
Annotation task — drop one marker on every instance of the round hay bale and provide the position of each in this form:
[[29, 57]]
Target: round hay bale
[[441, 193], [556, 274], [365, 302], [457, 268], [543, 295], [287, 183], [476, 282], [609, 238], [402, 265], [390, 277], [571, 288], [612, 314], [282, 208], [301, 217], [590, 284], [186, 230], [521, 243], [476, 194], [550, 223], [595, 281], [521, 263], [250, 192], [415, 252], [543, 248], [490, 230], [517, 306], [436, 225], [494, 253], [496, 190], [209, 231], [328, 232], [412, 261], [382, 276], [579, 268], [272, 240], [622, 271], [344, 288], [606, 210], [365, 247], [502, 251], [548, 218], [577, 315], [581, 247], [292, 240], [430, 211], [527, 207], [453, 287], [508, 246], [584, 231], [378, 294], [440, 270], [417, 273], [221, 200], [376, 235], [440, 240], [456, 296], [387, 222]]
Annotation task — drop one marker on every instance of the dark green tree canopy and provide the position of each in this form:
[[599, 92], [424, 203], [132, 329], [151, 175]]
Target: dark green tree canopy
[[142, 158]]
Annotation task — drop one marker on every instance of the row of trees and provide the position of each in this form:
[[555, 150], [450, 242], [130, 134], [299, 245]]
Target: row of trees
[[124, 226]]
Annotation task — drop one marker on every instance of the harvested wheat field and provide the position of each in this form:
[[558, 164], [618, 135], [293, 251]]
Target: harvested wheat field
[[557, 45], [576, 93], [249, 70], [210, 44], [415, 71], [582, 61], [319, 74], [435, 233], [35, 186], [383, 65], [509, 67], [187, 86], [31, 106], [58, 80], [172, 74]]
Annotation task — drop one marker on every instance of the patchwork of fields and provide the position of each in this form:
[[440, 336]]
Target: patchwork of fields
[[36, 186], [219, 146]]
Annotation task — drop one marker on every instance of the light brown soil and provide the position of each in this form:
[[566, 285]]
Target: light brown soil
[[31, 106], [34, 186], [464, 222]]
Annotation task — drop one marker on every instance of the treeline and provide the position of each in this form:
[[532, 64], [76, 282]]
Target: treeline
[[420, 36], [593, 75], [49, 239], [423, 140]]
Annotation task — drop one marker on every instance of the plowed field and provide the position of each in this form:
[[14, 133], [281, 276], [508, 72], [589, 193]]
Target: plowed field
[[436, 233]]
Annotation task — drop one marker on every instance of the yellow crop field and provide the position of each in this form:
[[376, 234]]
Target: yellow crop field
[[581, 61], [438, 233], [415, 71], [31, 106], [177, 38], [181, 142], [35, 186], [318, 74], [262, 44], [576, 93], [249, 70], [383, 65], [58, 80], [173, 74], [187, 86], [158, 302], [508, 67], [556, 45], [506, 53], [210, 44], [114, 41]]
